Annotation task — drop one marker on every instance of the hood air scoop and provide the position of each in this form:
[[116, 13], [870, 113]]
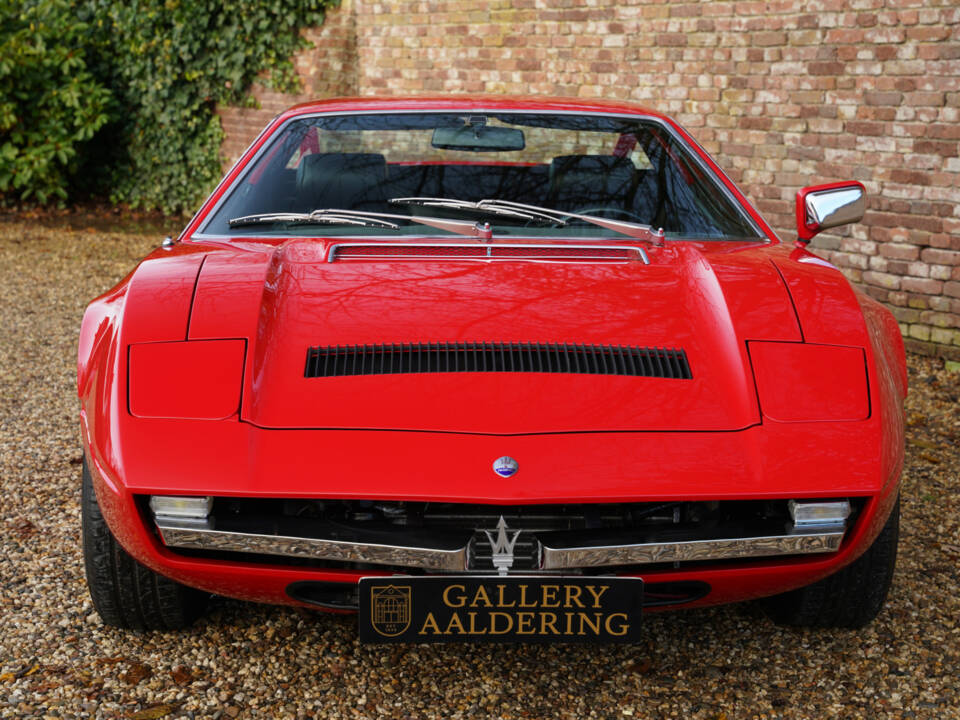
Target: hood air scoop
[[487, 251], [498, 358]]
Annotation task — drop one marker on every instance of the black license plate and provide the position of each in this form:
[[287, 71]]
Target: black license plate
[[504, 609]]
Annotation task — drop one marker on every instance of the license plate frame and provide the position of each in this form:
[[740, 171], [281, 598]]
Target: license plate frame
[[494, 608]]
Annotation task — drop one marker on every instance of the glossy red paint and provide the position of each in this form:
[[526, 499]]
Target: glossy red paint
[[198, 380], [805, 228], [557, 468], [601, 440], [676, 301], [799, 382]]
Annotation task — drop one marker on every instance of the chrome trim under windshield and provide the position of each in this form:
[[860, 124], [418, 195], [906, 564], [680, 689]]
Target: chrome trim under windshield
[[492, 247]]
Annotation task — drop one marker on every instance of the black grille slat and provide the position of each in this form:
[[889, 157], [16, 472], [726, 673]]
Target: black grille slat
[[415, 358], [658, 361]]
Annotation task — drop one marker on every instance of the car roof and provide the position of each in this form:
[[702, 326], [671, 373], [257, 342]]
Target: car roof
[[469, 102]]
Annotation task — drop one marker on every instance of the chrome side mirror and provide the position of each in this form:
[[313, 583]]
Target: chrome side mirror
[[825, 206]]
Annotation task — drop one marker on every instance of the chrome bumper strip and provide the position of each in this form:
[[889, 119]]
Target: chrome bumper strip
[[690, 550], [176, 535]]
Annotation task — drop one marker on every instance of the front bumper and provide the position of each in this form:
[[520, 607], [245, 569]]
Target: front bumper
[[602, 467]]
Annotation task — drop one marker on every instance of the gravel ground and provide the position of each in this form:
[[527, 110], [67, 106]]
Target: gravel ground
[[248, 661]]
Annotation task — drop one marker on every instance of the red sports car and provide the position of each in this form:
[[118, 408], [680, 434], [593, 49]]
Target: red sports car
[[490, 369]]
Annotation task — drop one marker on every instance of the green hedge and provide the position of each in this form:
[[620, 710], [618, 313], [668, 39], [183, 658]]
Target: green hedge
[[50, 103], [155, 72]]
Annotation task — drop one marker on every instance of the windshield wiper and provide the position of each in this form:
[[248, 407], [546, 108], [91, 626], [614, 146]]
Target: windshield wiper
[[331, 216], [326, 217], [489, 207], [535, 212]]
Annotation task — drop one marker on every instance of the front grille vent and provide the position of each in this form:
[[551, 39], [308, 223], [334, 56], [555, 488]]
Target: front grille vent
[[461, 251], [575, 359]]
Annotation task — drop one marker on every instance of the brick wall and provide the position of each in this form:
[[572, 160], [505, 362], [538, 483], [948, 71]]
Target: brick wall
[[783, 93], [329, 69]]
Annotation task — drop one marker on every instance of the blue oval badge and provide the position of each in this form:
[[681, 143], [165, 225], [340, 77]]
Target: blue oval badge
[[505, 466]]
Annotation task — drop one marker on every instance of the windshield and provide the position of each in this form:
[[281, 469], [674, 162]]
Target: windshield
[[626, 169]]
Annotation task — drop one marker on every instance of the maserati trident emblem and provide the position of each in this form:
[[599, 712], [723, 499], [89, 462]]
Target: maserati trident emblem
[[502, 546], [505, 466]]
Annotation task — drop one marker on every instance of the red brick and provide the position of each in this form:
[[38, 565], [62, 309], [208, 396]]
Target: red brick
[[932, 99], [883, 98], [944, 132], [904, 314], [940, 257], [756, 123], [935, 147], [844, 36], [825, 68], [671, 40], [865, 128], [881, 279], [899, 251], [910, 177], [928, 34], [925, 286], [765, 39]]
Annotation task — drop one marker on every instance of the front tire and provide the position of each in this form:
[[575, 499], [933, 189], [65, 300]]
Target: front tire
[[851, 597], [125, 593]]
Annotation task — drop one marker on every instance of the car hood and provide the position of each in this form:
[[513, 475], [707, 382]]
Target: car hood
[[705, 301]]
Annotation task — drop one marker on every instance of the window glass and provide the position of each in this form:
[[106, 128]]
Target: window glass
[[619, 168]]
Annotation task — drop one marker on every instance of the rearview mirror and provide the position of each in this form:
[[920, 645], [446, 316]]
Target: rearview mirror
[[825, 206], [478, 138]]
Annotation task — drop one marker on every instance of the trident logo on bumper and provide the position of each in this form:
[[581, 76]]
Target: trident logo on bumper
[[502, 546]]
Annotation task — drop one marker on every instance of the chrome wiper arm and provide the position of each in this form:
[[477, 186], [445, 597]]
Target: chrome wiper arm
[[325, 217], [631, 229], [492, 207], [536, 212], [331, 216]]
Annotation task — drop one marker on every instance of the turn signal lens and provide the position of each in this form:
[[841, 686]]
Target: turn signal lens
[[197, 508], [808, 514]]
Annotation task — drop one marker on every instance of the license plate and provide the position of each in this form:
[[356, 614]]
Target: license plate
[[504, 609]]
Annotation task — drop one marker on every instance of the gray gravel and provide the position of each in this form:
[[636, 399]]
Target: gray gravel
[[249, 661]]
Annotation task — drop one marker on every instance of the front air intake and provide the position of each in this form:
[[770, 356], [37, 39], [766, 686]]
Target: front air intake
[[575, 359]]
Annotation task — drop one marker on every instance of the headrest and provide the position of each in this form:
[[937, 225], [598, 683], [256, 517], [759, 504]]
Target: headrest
[[341, 180]]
